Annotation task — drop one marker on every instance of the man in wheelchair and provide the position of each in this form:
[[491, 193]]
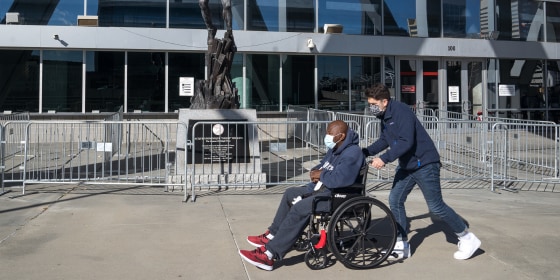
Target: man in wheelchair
[[338, 169]]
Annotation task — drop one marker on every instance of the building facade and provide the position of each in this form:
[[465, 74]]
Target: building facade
[[491, 56]]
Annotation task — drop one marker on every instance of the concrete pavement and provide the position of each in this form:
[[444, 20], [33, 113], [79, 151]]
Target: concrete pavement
[[139, 232]]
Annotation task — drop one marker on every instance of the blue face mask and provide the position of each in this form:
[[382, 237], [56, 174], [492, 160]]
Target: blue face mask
[[329, 141]]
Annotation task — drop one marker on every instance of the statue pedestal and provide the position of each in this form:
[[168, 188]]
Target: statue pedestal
[[222, 149]]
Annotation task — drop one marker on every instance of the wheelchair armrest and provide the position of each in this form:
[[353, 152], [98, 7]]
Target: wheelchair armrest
[[354, 188], [317, 199]]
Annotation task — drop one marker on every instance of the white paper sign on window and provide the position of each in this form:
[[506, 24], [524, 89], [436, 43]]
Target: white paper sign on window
[[506, 90], [186, 86], [453, 93]]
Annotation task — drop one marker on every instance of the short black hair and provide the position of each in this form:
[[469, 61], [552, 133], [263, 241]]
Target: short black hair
[[378, 92]]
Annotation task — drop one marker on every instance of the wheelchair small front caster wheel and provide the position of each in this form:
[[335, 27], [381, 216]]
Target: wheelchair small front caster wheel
[[316, 259], [302, 245]]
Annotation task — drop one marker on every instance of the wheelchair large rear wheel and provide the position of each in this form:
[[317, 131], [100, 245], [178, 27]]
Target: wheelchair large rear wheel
[[362, 233]]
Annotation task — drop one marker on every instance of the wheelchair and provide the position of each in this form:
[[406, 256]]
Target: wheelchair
[[360, 231]]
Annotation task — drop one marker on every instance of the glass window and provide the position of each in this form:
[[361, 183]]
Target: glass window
[[92, 7], [412, 18], [64, 12], [390, 80], [104, 81], [366, 71], [187, 14], [408, 82], [430, 81], [474, 83], [298, 80], [433, 18], [62, 81], [183, 65], [453, 71], [285, 16], [240, 83], [4, 8], [526, 76], [461, 19], [263, 82], [553, 90], [332, 73], [520, 20], [355, 16], [553, 22], [146, 81], [396, 19], [133, 13], [19, 80]]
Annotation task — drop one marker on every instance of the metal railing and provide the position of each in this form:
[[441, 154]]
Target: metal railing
[[2, 190], [253, 154], [523, 152], [104, 152], [14, 117], [258, 154]]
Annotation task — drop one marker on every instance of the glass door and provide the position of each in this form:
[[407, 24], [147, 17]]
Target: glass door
[[430, 87], [464, 88], [419, 84], [407, 70]]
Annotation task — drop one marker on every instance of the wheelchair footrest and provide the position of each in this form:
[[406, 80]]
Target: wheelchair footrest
[[322, 240]]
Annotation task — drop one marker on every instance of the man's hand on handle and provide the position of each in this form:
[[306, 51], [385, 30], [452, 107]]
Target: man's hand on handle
[[377, 163]]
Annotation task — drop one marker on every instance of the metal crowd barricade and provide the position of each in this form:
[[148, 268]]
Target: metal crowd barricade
[[99, 152], [14, 117], [463, 148], [524, 152], [372, 132], [299, 113], [8, 154], [443, 115], [425, 112], [461, 145], [472, 148], [2, 142], [317, 132], [13, 145], [268, 154], [360, 119]]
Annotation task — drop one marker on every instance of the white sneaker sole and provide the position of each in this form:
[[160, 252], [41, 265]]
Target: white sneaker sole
[[465, 257], [399, 254], [255, 244], [257, 264]]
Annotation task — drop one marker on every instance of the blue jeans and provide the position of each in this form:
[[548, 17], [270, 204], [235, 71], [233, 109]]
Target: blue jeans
[[427, 179]]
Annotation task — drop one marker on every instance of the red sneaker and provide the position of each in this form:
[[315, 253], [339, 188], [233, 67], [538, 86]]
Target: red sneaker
[[257, 258], [259, 240]]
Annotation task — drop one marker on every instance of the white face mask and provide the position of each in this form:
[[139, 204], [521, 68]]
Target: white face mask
[[329, 141]]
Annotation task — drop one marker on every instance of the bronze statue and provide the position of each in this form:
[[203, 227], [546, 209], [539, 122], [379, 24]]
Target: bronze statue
[[206, 15], [217, 92]]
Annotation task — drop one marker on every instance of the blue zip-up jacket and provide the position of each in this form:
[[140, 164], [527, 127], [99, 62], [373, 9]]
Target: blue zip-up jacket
[[341, 166], [406, 138]]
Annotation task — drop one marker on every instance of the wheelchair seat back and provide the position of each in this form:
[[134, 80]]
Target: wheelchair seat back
[[340, 195]]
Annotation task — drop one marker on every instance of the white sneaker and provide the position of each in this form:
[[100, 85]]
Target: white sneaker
[[401, 250], [468, 244]]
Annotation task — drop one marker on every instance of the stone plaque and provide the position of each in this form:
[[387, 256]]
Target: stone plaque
[[219, 142]]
